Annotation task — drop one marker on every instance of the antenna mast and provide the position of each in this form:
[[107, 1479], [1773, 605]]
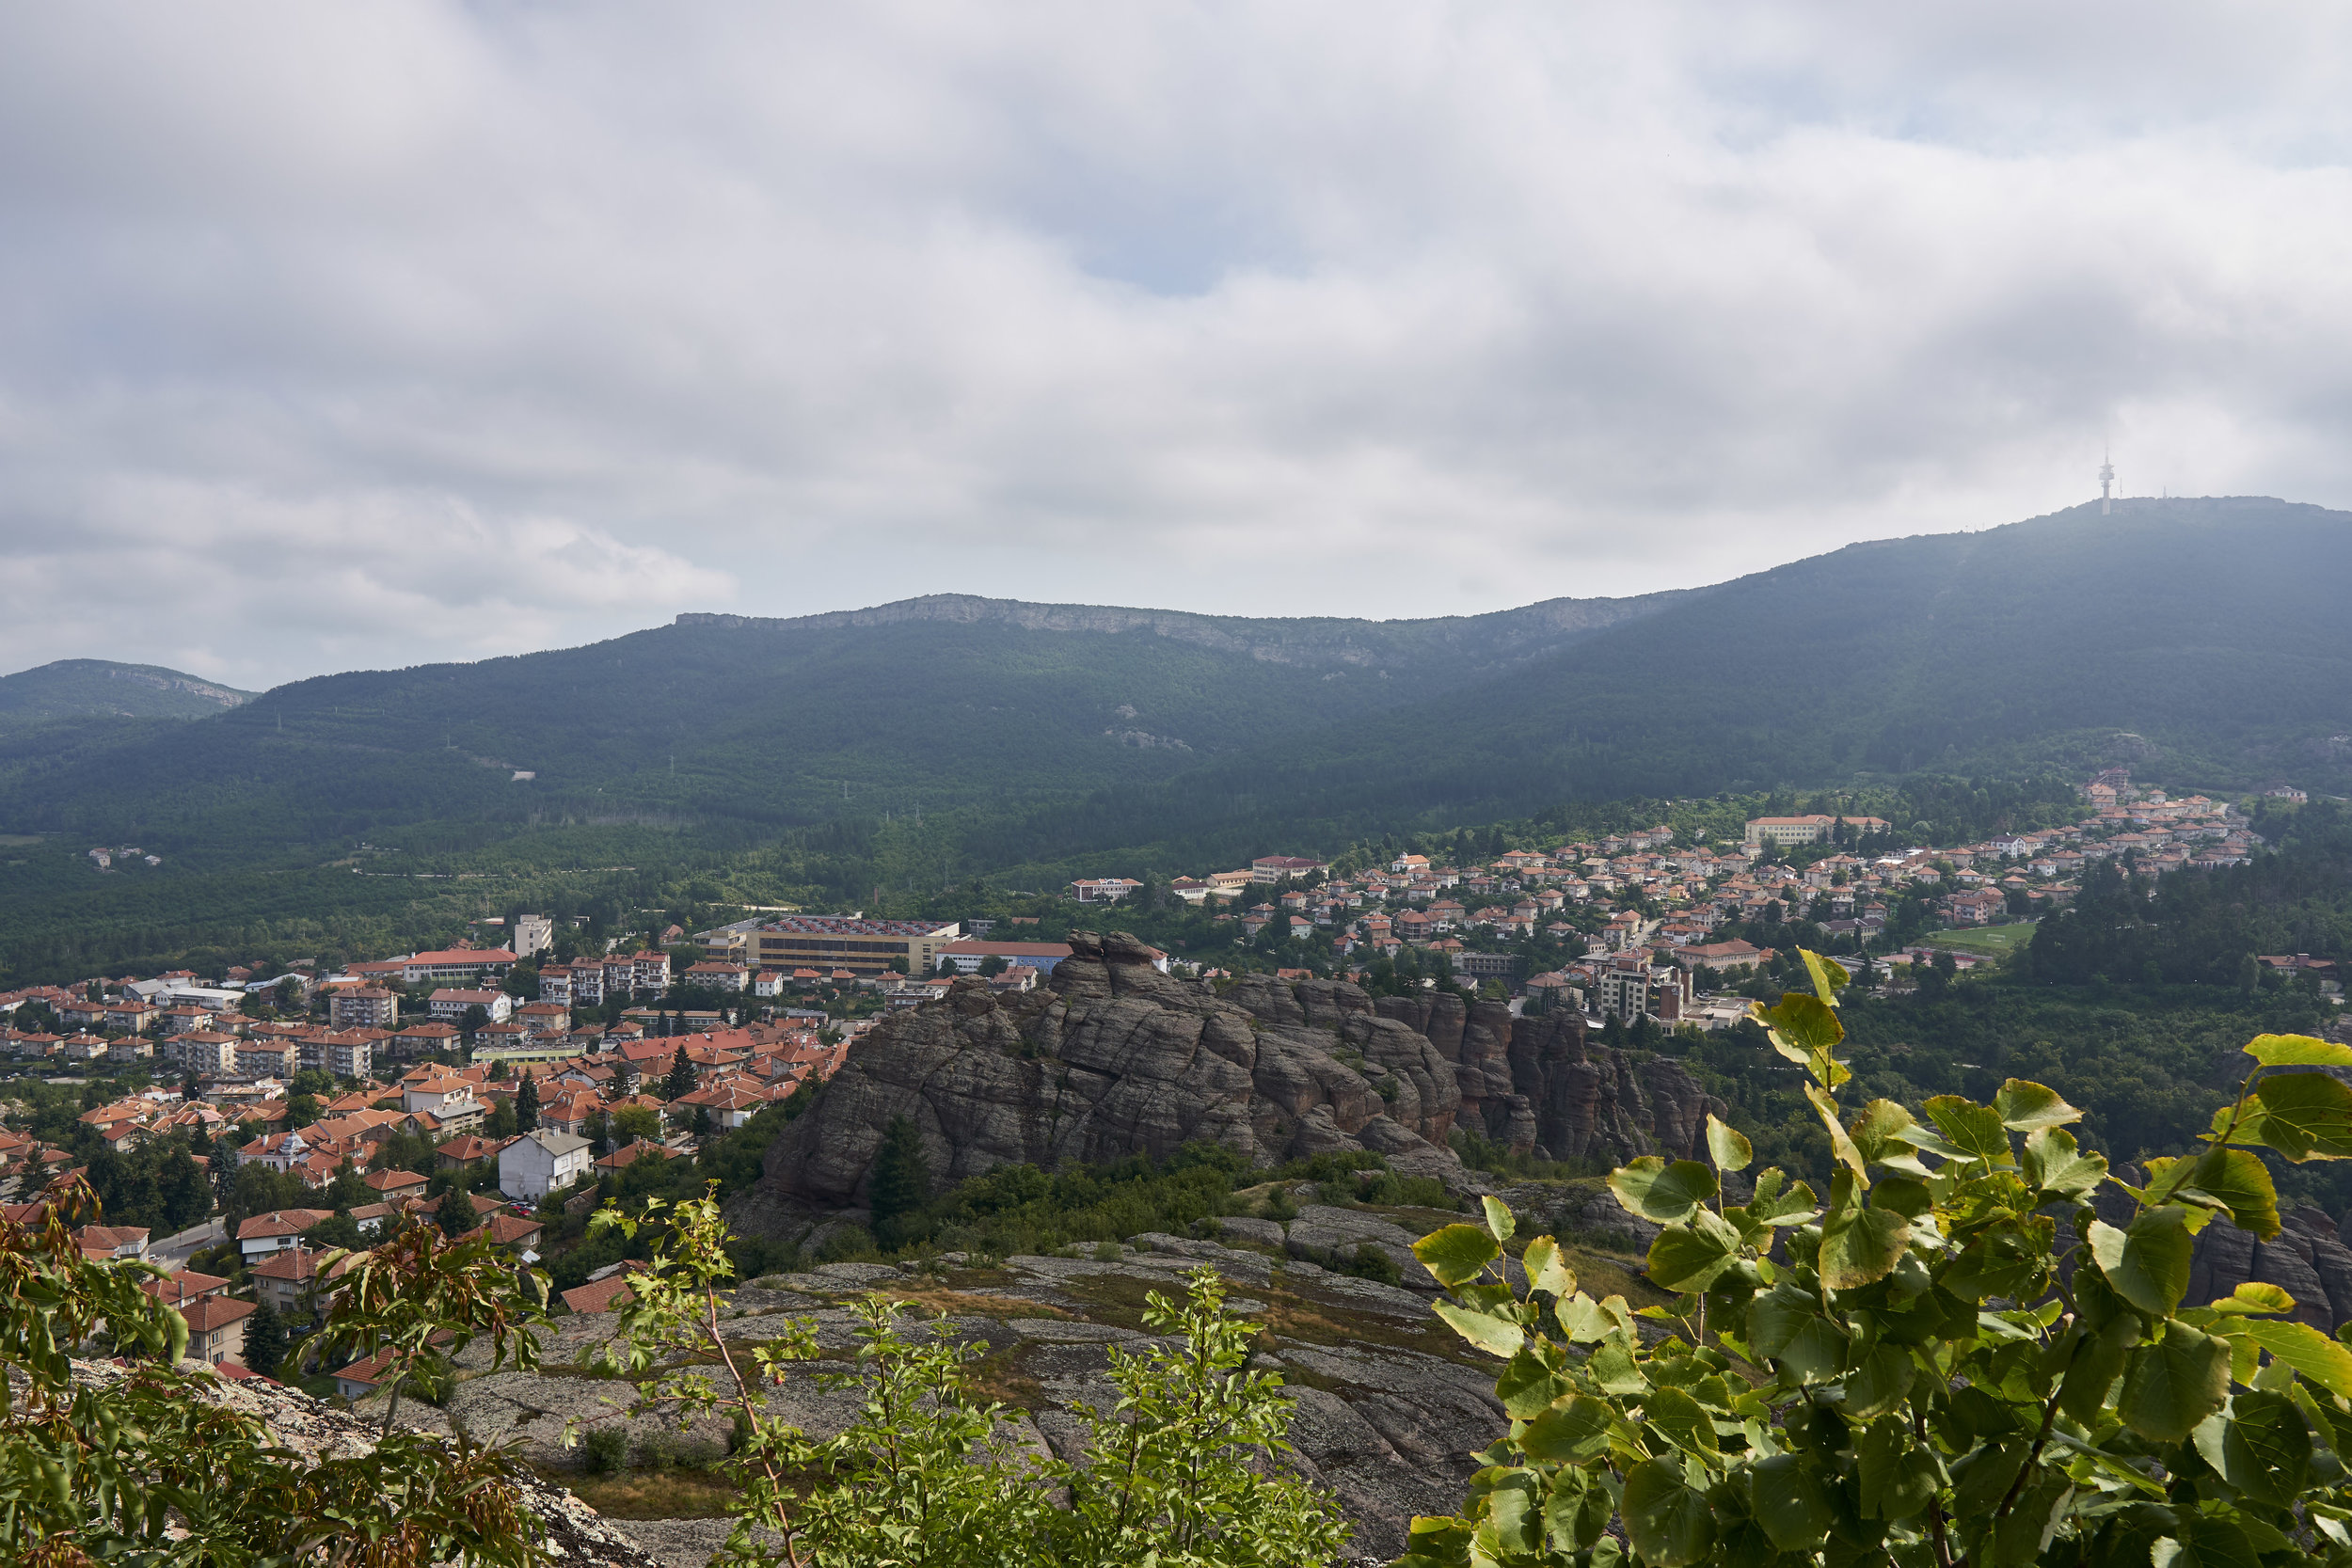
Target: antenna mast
[[2107, 481]]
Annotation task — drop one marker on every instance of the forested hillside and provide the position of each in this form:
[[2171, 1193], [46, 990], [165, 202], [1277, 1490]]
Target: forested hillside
[[937, 741], [2186, 639], [90, 687]]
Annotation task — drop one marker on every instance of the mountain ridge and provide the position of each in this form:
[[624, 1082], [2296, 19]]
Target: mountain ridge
[[75, 687]]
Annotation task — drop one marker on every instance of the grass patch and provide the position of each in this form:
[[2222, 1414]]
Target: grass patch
[[1994, 942], [650, 1494]]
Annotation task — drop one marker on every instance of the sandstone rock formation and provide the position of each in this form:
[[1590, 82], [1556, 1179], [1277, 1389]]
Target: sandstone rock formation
[[1113, 1058]]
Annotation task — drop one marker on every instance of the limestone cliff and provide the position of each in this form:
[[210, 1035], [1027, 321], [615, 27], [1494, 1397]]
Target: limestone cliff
[[1113, 1058]]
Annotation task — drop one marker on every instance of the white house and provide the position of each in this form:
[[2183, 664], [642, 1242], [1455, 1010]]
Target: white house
[[538, 1163], [450, 1005]]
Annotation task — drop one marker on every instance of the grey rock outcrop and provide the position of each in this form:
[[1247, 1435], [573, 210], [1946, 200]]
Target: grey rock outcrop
[[1112, 1058]]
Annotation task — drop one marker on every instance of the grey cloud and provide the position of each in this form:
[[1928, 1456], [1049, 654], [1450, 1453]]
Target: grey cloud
[[436, 330]]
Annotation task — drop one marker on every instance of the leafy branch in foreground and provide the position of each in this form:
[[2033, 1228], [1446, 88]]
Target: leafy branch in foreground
[[1184, 1469], [143, 1466], [1953, 1360]]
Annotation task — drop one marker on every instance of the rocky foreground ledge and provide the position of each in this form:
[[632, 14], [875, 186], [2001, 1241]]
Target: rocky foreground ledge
[[1390, 1403]]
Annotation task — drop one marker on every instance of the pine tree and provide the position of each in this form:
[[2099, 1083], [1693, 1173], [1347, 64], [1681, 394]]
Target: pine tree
[[701, 1122], [527, 1106], [600, 1135], [901, 1185], [265, 1340], [681, 1082], [455, 1215]]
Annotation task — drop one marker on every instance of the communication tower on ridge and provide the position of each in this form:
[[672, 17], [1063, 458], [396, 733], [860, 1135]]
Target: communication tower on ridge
[[2107, 481]]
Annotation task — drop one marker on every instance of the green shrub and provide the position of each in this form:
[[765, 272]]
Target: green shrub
[[1954, 1361], [605, 1450], [1370, 1262]]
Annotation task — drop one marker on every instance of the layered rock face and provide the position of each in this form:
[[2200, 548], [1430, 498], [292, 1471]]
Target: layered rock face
[[1113, 1058]]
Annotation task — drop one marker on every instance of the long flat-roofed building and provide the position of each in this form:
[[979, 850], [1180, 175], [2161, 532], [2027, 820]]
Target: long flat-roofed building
[[826, 942]]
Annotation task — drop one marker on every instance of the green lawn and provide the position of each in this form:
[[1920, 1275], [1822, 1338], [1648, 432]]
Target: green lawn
[[1993, 941]]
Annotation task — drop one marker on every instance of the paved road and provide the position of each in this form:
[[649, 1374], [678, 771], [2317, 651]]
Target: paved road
[[173, 1252]]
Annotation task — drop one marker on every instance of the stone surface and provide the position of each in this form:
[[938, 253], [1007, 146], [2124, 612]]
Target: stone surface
[[1112, 1058], [1390, 1405], [573, 1534]]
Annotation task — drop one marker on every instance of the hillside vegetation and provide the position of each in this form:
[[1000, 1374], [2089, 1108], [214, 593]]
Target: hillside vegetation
[[936, 742], [88, 688]]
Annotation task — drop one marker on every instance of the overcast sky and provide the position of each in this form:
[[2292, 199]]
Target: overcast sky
[[342, 335]]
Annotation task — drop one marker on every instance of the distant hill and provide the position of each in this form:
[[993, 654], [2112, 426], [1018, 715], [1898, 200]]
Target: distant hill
[[928, 704], [2194, 639], [79, 688]]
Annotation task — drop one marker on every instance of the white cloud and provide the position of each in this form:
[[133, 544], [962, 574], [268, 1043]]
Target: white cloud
[[419, 331]]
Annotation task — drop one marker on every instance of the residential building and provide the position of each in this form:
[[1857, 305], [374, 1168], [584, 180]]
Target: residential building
[[720, 976], [1103, 890], [1273, 868], [863, 948], [541, 1020], [216, 1327], [451, 1006], [263, 1234], [542, 1162], [533, 933], [364, 1007], [601, 1295]]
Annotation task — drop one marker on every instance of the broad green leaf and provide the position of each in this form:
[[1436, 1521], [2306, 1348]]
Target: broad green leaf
[[1682, 1418], [1513, 1525], [2052, 1164], [1725, 1145], [1975, 1130], [1828, 976], [2253, 1297], [1785, 1499], [1859, 1246], [2238, 1178], [1840, 1146], [1571, 1428], [2260, 1445], [1498, 1221], [1548, 1269], [1491, 1335], [2175, 1382], [2148, 1264], [1692, 1256], [2024, 1533], [1878, 1137], [1528, 1386], [2297, 1051], [2024, 1105], [1657, 1191], [1613, 1369], [1793, 1207], [1879, 1381], [1457, 1254], [1806, 1022], [2204, 1540], [2304, 1348], [2306, 1116], [2098, 1362], [1668, 1522], [1581, 1319], [1899, 1476]]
